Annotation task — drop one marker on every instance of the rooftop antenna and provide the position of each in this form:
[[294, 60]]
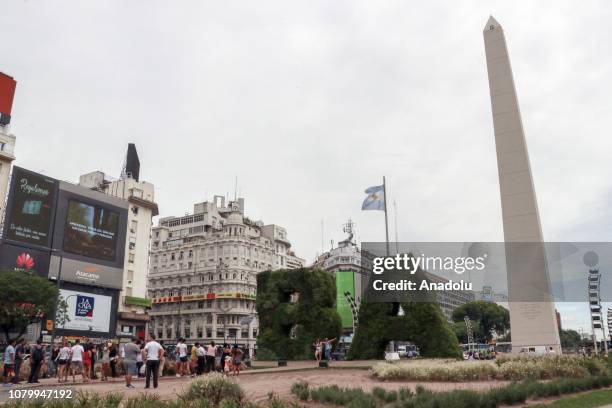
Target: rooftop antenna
[[348, 228], [236, 188], [322, 237]]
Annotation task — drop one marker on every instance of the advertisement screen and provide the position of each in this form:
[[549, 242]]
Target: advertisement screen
[[24, 259], [91, 231], [31, 212], [345, 287], [85, 311]]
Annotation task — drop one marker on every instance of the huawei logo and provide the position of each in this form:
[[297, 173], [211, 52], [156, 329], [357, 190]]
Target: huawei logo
[[25, 261]]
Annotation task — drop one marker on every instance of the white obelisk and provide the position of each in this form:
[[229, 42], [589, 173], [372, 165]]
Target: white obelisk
[[533, 323]]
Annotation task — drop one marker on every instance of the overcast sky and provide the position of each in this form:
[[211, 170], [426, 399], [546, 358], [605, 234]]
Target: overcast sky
[[309, 103]]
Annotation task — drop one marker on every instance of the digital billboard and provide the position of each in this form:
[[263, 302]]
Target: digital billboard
[[31, 208], [13, 257], [86, 312], [345, 286], [91, 231]]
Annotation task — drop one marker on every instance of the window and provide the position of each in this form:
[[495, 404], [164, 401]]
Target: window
[[131, 257]]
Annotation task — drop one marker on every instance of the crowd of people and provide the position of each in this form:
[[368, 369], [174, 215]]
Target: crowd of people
[[80, 358]]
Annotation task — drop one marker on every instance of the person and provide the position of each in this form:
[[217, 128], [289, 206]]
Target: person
[[226, 353], [237, 359], [131, 351], [328, 347], [9, 362], [37, 358], [105, 362], [162, 360], [63, 359], [181, 351], [193, 362], [227, 365], [53, 361], [139, 361], [211, 353], [113, 358], [218, 362], [76, 360], [94, 357], [86, 363], [20, 353], [153, 352], [201, 358], [318, 348]]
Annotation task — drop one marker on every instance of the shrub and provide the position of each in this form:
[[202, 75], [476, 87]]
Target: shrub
[[301, 390], [436, 370], [264, 354], [215, 388]]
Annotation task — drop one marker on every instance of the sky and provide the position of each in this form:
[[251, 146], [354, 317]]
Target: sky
[[309, 103]]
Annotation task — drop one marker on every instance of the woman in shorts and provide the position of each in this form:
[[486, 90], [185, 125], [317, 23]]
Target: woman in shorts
[[318, 350], [237, 360], [63, 361]]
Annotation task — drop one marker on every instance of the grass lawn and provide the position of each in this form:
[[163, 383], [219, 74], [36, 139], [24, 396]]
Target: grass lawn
[[587, 400]]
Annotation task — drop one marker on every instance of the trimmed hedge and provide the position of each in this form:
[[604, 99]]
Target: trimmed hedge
[[514, 393], [287, 330]]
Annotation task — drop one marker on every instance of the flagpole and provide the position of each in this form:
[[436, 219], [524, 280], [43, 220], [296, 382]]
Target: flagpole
[[386, 219]]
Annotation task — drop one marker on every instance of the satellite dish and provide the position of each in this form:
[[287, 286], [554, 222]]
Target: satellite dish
[[590, 259]]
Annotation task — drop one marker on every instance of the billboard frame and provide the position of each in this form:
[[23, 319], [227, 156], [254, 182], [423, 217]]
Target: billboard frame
[[10, 204], [96, 290]]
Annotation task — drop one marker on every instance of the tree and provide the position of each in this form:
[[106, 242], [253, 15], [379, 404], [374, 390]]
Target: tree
[[487, 318], [569, 338], [26, 299]]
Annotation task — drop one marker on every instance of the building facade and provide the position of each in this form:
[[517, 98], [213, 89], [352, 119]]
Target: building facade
[[203, 273], [133, 305]]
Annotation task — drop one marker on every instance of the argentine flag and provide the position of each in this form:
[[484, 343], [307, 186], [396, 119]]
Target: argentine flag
[[375, 199]]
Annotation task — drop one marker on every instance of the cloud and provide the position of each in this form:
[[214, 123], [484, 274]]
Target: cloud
[[310, 103]]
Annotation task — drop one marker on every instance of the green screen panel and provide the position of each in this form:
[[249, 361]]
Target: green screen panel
[[345, 282]]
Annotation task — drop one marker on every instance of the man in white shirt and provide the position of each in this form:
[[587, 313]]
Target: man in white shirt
[[153, 352], [201, 358], [77, 359], [183, 358]]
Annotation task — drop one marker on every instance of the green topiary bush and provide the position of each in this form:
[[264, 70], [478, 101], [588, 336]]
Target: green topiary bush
[[423, 324], [295, 308]]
